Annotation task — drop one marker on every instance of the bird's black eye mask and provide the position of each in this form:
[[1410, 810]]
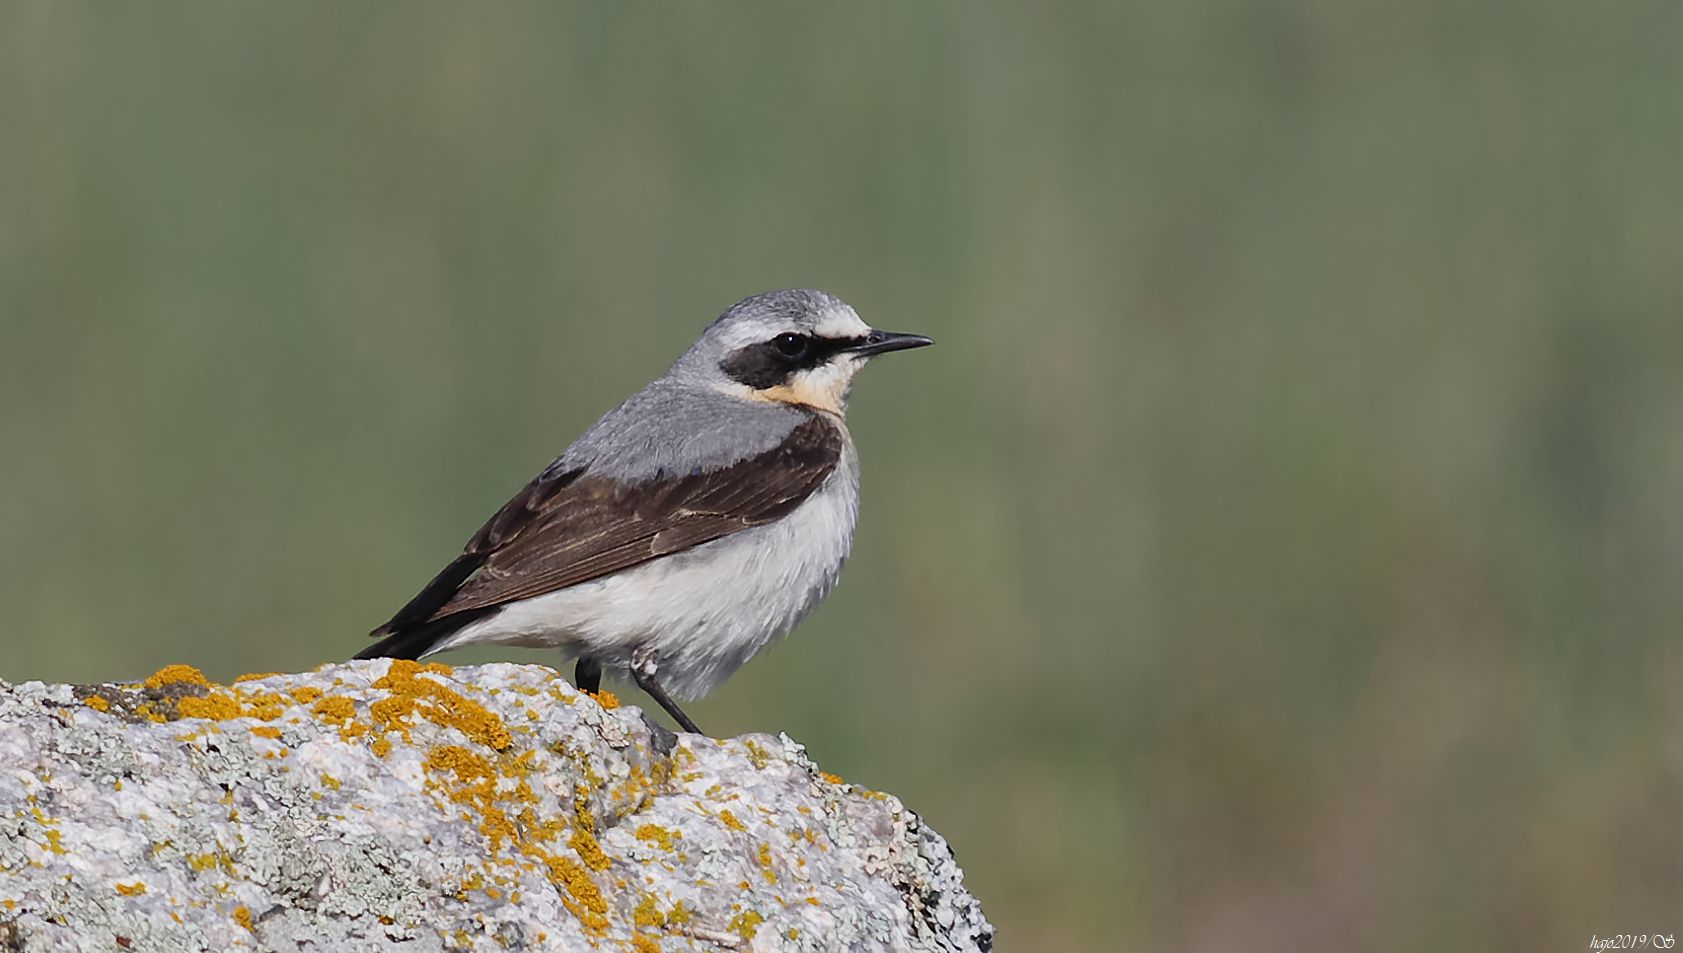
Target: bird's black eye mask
[[770, 363]]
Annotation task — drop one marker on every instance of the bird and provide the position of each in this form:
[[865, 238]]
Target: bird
[[690, 527]]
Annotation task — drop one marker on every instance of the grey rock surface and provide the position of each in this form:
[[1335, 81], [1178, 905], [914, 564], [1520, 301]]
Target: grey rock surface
[[390, 806]]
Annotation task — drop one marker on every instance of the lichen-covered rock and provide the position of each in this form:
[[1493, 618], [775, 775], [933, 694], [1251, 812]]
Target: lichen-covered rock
[[394, 806]]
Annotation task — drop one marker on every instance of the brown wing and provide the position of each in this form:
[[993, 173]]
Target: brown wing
[[575, 527]]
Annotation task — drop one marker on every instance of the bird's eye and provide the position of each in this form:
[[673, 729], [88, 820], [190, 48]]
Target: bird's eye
[[791, 346]]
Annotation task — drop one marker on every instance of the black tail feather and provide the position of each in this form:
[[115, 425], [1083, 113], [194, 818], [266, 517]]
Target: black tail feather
[[414, 641], [434, 595]]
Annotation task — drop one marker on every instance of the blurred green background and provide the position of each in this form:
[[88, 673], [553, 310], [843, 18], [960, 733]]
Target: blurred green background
[[1280, 551]]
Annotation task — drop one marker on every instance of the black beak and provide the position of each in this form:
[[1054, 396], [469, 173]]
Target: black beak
[[881, 342]]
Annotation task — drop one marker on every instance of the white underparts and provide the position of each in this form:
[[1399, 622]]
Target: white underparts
[[706, 611]]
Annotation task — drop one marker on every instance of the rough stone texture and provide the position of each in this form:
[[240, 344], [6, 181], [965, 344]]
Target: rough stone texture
[[392, 806]]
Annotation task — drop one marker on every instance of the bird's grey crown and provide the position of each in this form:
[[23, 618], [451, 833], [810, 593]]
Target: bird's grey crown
[[687, 420], [801, 307], [755, 320]]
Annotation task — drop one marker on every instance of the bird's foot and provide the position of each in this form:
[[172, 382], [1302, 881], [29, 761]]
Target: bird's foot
[[645, 665]]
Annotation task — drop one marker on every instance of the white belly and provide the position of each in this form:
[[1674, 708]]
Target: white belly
[[706, 610]]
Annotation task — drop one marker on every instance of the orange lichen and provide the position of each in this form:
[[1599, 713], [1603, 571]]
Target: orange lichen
[[306, 694], [131, 890], [413, 695], [757, 755], [584, 842], [679, 915], [255, 676], [731, 821], [644, 944], [655, 834], [745, 924], [381, 747], [328, 780], [335, 708], [766, 868], [242, 916], [96, 703], [584, 897], [478, 785], [175, 674], [214, 707], [266, 731], [266, 706], [607, 700], [648, 913]]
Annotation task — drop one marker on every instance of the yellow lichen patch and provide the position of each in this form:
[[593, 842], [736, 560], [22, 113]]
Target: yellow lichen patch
[[584, 842], [306, 694], [266, 731], [757, 754], [496, 792], [176, 674], [584, 898], [648, 913], [413, 695], [731, 821], [265, 706], [475, 787], [131, 890], [833, 779], [745, 924], [96, 703], [679, 915], [215, 707], [607, 700], [255, 676], [381, 747], [657, 835], [242, 916], [335, 708], [793, 934], [766, 868], [55, 840], [644, 944], [329, 781]]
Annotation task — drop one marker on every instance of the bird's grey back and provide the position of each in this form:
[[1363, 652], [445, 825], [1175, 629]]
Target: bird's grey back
[[678, 427]]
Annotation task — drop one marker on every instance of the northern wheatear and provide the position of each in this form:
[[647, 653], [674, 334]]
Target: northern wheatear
[[690, 527]]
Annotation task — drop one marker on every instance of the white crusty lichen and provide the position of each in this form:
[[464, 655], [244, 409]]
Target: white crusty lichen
[[395, 806]]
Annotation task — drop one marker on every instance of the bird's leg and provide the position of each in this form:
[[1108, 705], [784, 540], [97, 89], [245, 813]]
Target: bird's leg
[[644, 664], [587, 676]]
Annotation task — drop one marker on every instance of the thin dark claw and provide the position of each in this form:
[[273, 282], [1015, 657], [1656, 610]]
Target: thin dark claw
[[646, 681]]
